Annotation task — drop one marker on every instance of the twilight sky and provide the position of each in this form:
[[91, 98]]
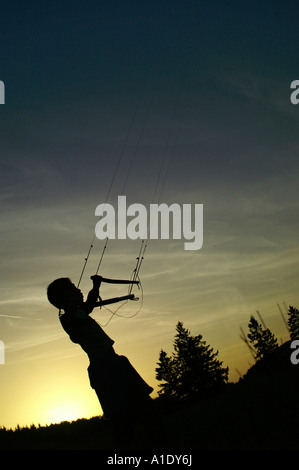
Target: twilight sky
[[201, 86]]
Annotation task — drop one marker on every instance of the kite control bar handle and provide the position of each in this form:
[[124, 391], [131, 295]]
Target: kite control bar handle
[[115, 281], [118, 281], [116, 299]]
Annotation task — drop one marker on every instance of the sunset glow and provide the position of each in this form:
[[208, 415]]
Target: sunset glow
[[176, 102]]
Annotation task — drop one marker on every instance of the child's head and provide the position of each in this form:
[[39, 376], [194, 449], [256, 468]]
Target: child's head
[[62, 292]]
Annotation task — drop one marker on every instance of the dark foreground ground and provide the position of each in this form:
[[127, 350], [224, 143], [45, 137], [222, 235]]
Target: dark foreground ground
[[261, 412]]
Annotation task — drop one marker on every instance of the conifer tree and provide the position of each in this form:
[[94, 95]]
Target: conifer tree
[[192, 370], [164, 372], [263, 341], [293, 322]]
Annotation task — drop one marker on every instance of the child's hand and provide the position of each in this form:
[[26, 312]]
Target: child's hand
[[96, 280]]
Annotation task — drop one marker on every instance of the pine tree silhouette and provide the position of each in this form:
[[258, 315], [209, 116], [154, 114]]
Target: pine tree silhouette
[[192, 371], [293, 322], [263, 341]]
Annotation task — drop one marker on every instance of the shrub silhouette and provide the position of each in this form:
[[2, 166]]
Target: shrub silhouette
[[192, 371]]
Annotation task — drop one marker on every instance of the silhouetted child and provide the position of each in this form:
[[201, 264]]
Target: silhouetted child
[[123, 394]]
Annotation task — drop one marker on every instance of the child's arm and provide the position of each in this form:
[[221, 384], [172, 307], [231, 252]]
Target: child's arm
[[93, 295]]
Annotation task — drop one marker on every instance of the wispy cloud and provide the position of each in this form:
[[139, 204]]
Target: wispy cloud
[[18, 317]]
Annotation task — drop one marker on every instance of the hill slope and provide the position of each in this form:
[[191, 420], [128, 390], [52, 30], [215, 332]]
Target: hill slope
[[261, 411]]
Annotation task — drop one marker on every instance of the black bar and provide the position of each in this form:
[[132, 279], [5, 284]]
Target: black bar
[[114, 300], [117, 281]]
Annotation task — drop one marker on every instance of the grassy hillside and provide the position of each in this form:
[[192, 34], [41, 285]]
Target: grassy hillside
[[261, 411]]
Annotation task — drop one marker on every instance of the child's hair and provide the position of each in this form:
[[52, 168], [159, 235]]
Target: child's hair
[[58, 291]]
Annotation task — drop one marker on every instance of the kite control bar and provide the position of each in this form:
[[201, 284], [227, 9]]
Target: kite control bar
[[116, 281], [116, 299]]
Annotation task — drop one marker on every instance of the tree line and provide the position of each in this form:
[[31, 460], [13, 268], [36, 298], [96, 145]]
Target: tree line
[[193, 370]]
